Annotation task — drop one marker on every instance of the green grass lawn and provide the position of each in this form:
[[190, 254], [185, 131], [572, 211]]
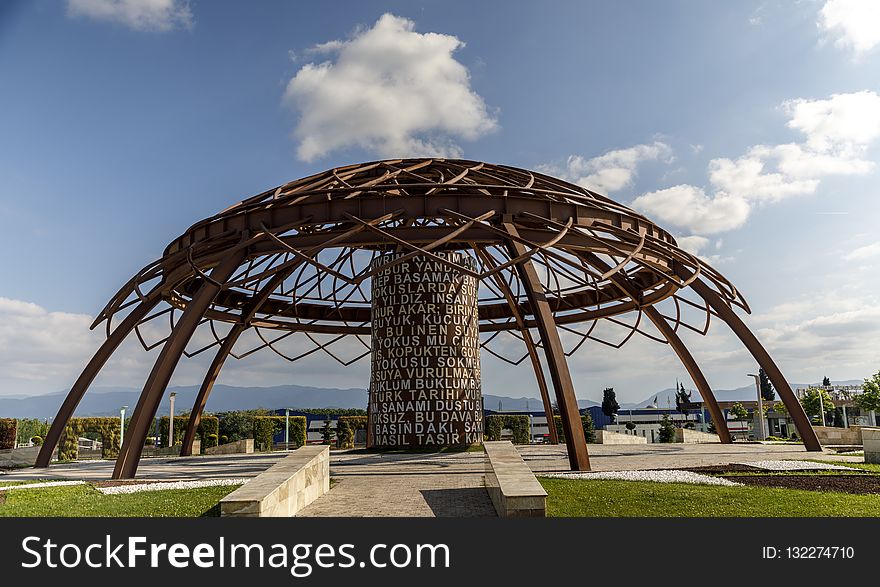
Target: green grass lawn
[[607, 498], [85, 500], [873, 467]]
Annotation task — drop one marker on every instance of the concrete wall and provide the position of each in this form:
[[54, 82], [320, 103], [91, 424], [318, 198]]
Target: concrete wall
[[609, 437], [688, 436], [871, 440], [244, 446], [513, 488], [17, 457], [832, 435], [284, 488]]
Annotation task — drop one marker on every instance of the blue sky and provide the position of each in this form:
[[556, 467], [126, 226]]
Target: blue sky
[[749, 129]]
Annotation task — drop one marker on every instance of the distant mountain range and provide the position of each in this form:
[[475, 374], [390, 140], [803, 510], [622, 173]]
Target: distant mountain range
[[103, 401]]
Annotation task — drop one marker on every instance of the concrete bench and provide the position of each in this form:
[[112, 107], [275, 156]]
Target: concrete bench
[[871, 442], [688, 436], [608, 437], [244, 446], [284, 488], [513, 488]]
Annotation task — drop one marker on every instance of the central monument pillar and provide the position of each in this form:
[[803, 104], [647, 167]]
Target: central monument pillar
[[425, 368]]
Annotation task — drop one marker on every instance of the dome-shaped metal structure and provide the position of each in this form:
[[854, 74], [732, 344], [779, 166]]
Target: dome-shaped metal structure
[[551, 257]]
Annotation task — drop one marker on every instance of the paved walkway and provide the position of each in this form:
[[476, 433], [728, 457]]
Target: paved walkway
[[394, 485], [450, 484]]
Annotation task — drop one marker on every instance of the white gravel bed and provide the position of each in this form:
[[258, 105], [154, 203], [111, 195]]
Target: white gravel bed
[[138, 487], [793, 466], [666, 476], [40, 485]]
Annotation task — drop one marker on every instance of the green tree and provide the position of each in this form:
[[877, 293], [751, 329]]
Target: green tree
[[610, 407], [869, 399], [811, 402], [826, 382], [667, 429], [29, 428], [682, 398], [739, 412], [327, 432], [239, 424], [589, 429], [767, 393]]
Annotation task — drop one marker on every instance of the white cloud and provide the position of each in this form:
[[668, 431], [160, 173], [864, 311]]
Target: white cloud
[[612, 171], [837, 134], [853, 24], [36, 344], [391, 91], [139, 15], [839, 123], [865, 252], [693, 244], [690, 207], [746, 179], [829, 325]]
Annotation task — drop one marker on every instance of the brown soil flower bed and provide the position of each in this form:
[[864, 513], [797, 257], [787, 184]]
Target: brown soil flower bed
[[843, 483]]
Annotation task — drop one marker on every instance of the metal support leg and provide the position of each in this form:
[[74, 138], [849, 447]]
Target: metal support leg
[[90, 372], [527, 339], [195, 415], [576, 442], [726, 313], [675, 342], [148, 403]]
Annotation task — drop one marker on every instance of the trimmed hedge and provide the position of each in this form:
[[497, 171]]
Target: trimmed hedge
[[518, 425], [108, 428], [8, 431], [346, 426], [586, 422], [266, 427], [208, 425]]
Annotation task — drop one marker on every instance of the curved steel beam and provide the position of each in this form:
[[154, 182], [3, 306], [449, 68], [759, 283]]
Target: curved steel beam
[[527, 339], [81, 385], [726, 313], [694, 371], [576, 442], [154, 388], [195, 415], [677, 345]]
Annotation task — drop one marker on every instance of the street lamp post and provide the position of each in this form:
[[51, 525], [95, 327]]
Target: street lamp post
[[122, 424], [171, 422], [286, 428], [760, 406]]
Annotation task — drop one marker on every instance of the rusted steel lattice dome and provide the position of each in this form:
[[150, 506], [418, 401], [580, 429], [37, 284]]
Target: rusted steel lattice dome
[[553, 259]]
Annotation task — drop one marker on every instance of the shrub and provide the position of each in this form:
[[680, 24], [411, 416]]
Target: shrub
[[224, 439], [107, 428], [211, 440], [8, 428], [207, 425], [266, 427], [586, 422], [518, 425], [667, 429], [346, 426], [30, 427], [37, 440], [239, 424]]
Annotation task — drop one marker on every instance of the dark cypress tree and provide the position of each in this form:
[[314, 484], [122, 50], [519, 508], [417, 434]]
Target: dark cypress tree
[[767, 393], [610, 407]]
